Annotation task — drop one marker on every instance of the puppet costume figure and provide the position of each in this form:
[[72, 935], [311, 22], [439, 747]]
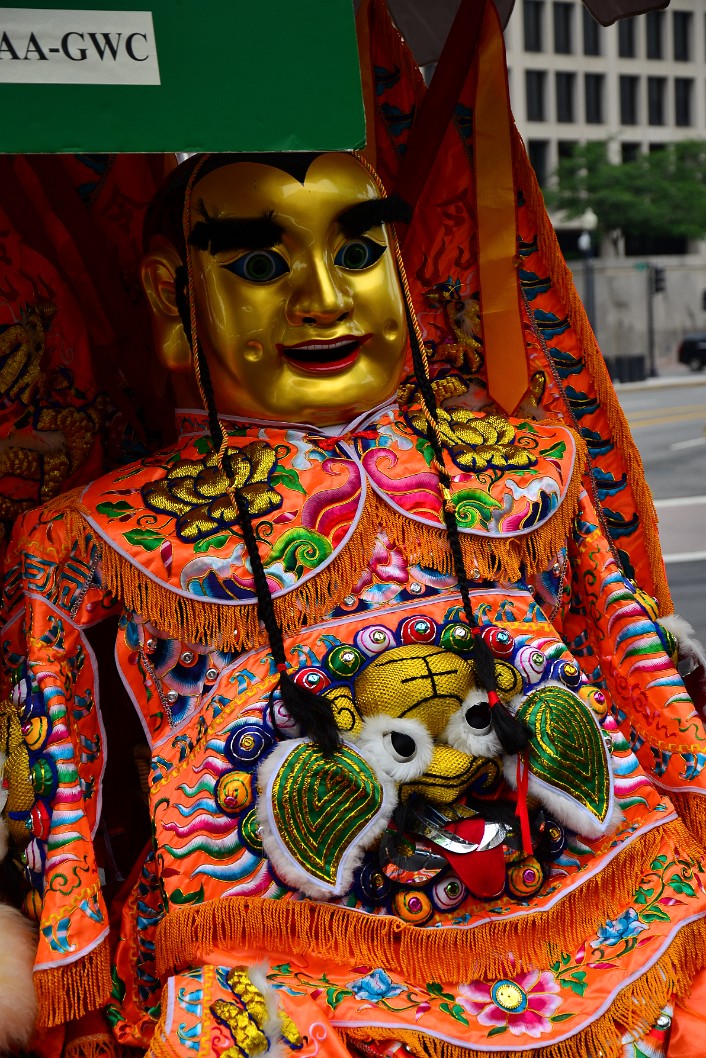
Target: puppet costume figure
[[411, 727]]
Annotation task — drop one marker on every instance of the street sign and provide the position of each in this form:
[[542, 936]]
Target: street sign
[[180, 75]]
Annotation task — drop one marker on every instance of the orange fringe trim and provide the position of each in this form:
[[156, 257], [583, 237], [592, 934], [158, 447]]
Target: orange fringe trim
[[493, 559], [96, 1046], [188, 935], [692, 810], [633, 1011], [233, 627], [562, 280], [66, 993]]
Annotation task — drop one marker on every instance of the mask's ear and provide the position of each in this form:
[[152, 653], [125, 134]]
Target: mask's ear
[[159, 268]]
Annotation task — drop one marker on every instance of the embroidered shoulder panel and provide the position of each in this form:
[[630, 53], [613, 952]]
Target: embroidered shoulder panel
[[171, 517], [509, 477]]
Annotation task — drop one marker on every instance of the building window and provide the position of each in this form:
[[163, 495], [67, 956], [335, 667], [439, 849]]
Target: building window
[[682, 26], [591, 34], [563, 28], [628, 100], [626, 38], [535, 81], [629, 152], [683, 94], [565, 148], [538, 151], [656, 91], [533, 18], [593, 94], [565, 91], [654, 21]]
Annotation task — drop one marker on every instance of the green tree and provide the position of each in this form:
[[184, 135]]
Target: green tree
[[660, 194]]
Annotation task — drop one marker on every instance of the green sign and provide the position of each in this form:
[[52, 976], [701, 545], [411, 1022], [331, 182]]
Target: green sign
[[180, 75]]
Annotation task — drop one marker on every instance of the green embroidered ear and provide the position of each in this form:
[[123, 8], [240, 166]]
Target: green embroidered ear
[[569, 766], [318, 814]]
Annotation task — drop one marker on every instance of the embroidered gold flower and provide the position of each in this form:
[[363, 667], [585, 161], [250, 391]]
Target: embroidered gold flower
[[477, 443], [195, 491]]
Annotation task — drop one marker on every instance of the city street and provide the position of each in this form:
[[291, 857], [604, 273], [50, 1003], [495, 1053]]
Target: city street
[[667, 417]]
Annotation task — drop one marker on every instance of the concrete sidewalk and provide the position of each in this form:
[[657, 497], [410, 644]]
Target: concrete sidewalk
[[688, 378]]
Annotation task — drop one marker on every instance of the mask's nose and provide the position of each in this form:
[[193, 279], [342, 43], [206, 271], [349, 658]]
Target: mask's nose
[[318, 297]]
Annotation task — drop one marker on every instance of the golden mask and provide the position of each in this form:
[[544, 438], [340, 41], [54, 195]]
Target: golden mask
[[299, 308]]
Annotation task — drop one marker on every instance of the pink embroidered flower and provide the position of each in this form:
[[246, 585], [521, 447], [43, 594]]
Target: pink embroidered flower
[[522, 1004]]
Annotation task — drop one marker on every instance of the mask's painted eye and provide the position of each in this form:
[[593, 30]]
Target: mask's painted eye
[[259, 266], [359, 253]]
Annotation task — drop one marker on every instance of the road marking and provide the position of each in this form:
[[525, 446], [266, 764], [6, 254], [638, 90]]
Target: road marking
[[686, 556], [664, 420], [667, 408], [680, 501], [695, 442]]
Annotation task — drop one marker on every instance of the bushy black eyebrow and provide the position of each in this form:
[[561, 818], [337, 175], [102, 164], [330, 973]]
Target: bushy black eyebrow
[[220, 234], [358, 219]]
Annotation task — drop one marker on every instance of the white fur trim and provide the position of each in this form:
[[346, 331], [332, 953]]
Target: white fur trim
[[287, 866], [18, 1002], [374, 747], [3, 802], [561, 805], [688, 646], [273, 1025], [463, 738]]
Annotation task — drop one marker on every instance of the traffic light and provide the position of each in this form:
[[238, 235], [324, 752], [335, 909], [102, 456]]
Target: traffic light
[[659, 279]]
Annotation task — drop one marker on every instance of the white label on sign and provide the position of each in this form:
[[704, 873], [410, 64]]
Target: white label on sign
[[77, 47]]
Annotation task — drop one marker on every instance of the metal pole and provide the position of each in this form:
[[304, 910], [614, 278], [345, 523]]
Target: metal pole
[[590, 292], [652, 370], [585, 246]]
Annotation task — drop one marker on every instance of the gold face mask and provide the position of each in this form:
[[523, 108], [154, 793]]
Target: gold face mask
[[299, 308]]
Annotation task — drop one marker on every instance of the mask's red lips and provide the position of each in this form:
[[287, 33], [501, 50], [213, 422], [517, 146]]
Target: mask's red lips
[[324, 355]]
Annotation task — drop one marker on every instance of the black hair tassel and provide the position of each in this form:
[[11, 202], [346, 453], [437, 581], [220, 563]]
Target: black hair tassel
[[313, 713], [512, 733]]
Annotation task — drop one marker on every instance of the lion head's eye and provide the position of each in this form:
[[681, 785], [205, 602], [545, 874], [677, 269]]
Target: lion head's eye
[[470, 729], [400, 746], [477, 717]]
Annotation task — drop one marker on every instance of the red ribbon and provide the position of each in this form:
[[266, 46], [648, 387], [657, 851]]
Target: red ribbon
[[522, 775], [329, 443]]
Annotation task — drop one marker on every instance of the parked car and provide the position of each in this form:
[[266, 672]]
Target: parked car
[[692, 351]]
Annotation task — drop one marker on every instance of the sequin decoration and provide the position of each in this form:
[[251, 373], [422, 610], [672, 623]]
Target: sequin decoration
[[344, 661], [417, 630], [246, 744], [372, 885], [413, 906], [531, 664], [234, 792], [567, 672], [448, 893], [250, 833], [374, 639], [456, 637], [524, 878], [500, 641]]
